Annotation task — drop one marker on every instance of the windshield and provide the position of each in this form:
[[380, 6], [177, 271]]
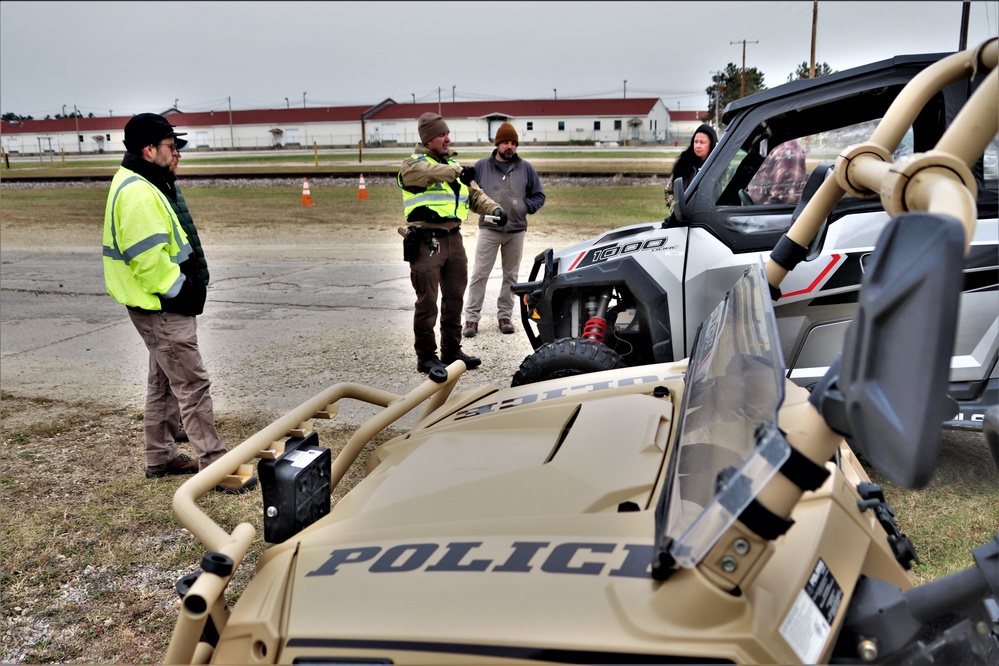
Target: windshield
[[728, 445]]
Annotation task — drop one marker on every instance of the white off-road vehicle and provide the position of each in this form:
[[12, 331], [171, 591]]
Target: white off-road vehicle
[[635, 295], [705, 510]]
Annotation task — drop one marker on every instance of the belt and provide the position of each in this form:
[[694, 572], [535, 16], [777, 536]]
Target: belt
[[430, 232], [132, 308]]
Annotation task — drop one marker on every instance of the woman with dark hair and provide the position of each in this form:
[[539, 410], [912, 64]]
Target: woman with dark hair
[[691, 159]]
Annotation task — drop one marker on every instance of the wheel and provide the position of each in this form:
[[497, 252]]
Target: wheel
[[566, 358]]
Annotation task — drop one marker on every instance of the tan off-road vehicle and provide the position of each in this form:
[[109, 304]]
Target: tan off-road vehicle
[[702, 511]]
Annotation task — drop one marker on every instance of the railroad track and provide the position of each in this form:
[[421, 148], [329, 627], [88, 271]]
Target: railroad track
[[6, 178]]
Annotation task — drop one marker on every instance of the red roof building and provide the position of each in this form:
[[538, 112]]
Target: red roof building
[[625, 121]]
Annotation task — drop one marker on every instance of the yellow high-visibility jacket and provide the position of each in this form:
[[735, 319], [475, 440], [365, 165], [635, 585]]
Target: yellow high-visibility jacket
[[434, 185], [144, 243]]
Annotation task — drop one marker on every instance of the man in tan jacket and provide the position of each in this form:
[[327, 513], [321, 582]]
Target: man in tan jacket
[[438, 194]]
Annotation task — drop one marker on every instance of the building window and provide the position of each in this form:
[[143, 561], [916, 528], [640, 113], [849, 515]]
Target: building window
[[561, 126], [617, 124], [530, 125], [596, 125]]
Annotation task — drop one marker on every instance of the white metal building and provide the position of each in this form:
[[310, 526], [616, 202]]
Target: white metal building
[[538, 122]]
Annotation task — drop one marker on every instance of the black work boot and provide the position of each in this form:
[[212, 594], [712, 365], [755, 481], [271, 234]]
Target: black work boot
[[429, 364], [471, 362]]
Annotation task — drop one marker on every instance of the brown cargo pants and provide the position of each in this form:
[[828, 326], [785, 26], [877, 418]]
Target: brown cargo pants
[[177, 388], [445, 274]]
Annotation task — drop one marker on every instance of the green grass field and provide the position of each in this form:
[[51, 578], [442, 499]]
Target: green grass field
[[64, 211]]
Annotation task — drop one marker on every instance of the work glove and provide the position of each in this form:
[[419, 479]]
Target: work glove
[[501, 214], [467, 175], [189, 301]]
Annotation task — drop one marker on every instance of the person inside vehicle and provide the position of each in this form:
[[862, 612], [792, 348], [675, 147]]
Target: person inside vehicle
[[781, 177]]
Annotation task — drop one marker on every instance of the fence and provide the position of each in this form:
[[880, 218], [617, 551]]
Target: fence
[[48, 147]]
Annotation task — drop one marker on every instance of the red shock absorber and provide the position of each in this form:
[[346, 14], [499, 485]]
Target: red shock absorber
[[595, 329], [596, 326]]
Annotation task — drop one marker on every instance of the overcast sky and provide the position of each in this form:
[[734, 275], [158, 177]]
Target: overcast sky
[[129, 57]]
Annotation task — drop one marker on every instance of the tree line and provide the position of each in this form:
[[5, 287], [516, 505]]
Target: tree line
[[727, 85]]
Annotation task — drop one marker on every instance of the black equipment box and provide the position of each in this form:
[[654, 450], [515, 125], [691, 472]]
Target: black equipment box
[[296, 487]]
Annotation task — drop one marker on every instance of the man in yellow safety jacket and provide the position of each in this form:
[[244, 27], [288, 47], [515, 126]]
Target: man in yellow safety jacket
[[153, 269], [437, 194]]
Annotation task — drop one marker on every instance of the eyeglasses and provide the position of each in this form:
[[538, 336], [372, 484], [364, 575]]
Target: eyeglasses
[[171, 146]]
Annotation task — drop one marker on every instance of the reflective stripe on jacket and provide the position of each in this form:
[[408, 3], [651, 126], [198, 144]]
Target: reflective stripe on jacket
[[144, 243], [441, 198]]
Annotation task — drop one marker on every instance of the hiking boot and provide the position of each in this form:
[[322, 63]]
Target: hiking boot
[[247, 486], [471, 362], [182, 464], [429, 364], [506, 326], [471, 328]]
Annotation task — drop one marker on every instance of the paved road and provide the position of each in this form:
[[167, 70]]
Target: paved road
[[282, 323]]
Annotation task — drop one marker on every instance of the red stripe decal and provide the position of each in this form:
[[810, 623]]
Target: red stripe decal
[[835, 260], [578, 259]]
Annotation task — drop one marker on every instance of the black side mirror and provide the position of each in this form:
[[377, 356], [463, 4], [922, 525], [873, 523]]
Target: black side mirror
[[680, 196], [888, 393]]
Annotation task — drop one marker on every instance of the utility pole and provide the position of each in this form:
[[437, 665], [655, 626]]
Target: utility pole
[[287, 102], [717, 77], [742, 92], [815, 25], [303, 100], [79, 144], [962, 43], [414, 97], [555, 90], [452, 93], [439, 101], [626, 89], [232, 140]]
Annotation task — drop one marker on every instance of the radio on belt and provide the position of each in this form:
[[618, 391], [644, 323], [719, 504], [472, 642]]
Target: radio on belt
[[296, 487]]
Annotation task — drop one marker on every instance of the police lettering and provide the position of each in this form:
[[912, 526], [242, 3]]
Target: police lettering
[[579, 558]]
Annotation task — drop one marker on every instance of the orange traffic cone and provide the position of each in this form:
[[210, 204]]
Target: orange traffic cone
[[362, 191], [306, 196]]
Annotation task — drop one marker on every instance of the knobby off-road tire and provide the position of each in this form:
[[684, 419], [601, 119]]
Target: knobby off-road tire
[[566, 358]]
